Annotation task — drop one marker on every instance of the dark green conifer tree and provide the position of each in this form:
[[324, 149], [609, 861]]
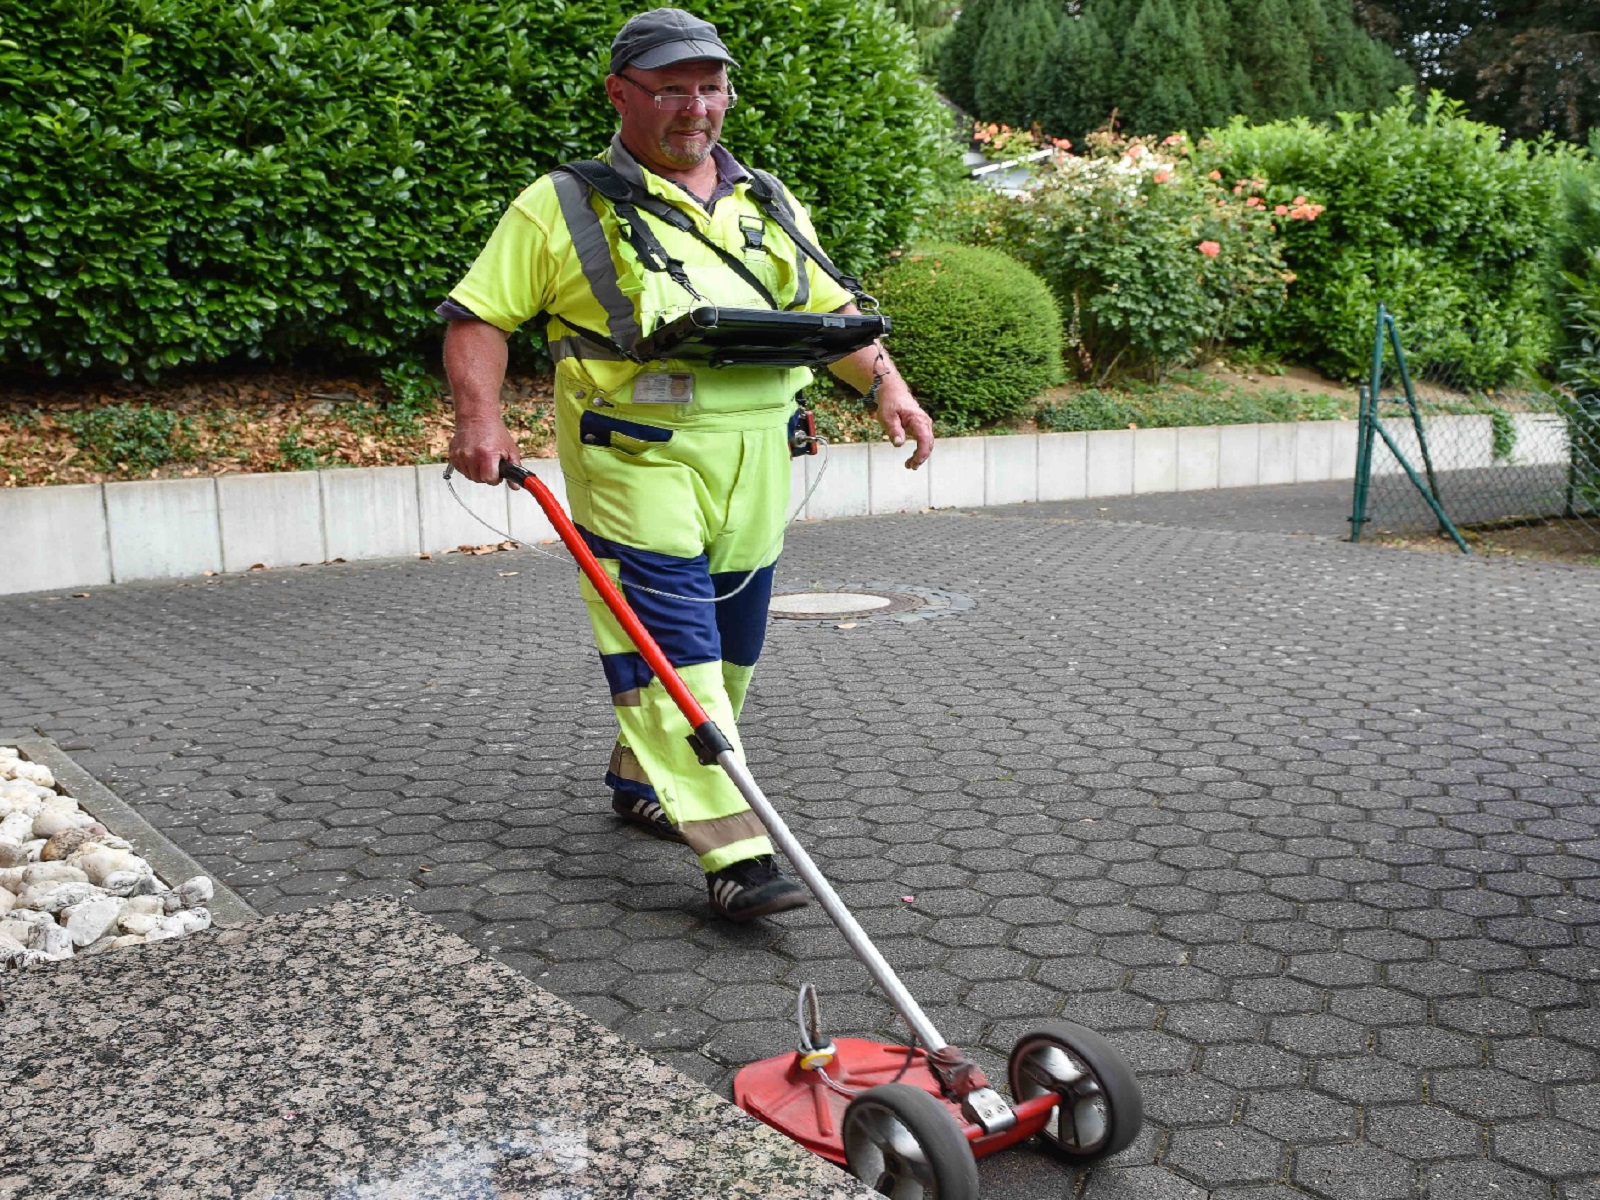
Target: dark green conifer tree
[[1081, 77], [1006, 72], [1163, 65]]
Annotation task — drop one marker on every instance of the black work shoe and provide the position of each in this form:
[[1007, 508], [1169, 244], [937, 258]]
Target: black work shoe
[[753, 887], [647, 814]]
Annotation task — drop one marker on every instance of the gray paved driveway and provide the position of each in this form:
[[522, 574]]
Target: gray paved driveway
[[1310, 830]]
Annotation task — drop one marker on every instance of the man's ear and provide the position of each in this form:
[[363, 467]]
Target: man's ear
[[616, 90]]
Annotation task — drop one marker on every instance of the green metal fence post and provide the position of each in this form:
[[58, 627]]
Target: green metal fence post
[[1416, 415], [1367, 415]]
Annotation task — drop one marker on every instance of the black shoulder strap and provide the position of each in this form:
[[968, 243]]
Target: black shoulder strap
[[774, 202], [626, 200]]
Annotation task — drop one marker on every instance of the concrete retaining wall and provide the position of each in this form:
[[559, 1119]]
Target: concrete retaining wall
[[94, 534]]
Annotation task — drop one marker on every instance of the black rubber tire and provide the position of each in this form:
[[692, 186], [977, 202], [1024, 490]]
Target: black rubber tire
[[1106, 1090], [937, 1166]]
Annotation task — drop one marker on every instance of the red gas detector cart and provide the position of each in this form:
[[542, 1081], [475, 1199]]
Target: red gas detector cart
[[910, 1121]]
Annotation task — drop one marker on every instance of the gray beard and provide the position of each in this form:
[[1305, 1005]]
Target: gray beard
[[679, 159]]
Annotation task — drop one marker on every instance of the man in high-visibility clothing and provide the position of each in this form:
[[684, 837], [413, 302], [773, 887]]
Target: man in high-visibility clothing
[[677, 477]]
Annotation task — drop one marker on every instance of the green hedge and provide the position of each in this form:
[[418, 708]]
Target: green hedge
[[188, 181], [976, 334], [1427, 212]]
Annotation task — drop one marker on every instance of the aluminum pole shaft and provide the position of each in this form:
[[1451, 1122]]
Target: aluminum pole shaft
[[877, 966]]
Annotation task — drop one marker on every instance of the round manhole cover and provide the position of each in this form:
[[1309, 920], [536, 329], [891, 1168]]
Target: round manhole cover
[[813, 606]]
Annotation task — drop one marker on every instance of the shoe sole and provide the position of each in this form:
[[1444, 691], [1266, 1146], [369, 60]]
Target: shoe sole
[[653, 829], [783, 902], [648, 826]]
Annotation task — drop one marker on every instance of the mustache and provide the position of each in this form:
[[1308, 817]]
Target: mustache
[[700, 126]]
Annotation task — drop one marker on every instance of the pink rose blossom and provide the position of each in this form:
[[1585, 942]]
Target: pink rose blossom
[[1210, 249]]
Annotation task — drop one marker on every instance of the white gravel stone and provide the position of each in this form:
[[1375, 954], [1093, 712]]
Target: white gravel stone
[[68, 884], [19, 923], [11, 950], [188, 920], [32, 771], [52, 896], [19, 796], [138, 923], [192, 893], [132, 883], [87, 922], [51, 940], [53, 818], [100, 863], [47, 872]]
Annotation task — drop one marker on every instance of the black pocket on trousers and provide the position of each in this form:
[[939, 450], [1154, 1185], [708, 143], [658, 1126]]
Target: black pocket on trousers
[[597, 429]]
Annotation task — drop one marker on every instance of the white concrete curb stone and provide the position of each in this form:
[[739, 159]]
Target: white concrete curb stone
[[92, 534]]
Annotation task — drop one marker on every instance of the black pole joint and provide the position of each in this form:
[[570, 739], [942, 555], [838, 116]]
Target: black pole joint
[[707, 742]]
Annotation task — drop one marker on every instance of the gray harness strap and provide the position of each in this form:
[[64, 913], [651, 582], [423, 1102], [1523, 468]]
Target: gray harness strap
[[594, 257], [577, 346], [802, 294]]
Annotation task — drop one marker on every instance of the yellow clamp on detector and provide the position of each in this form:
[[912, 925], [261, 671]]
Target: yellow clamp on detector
[[815, 1060]]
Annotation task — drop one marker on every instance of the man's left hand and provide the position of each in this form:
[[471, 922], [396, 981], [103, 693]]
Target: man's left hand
[[902, 417]]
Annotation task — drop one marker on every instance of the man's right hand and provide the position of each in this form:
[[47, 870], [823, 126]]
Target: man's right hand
[[478, 447]]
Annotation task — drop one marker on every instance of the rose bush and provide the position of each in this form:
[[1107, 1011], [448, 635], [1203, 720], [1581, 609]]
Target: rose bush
[[1153, 262]]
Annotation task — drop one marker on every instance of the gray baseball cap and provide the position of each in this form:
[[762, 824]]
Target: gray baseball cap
[[664, 36]]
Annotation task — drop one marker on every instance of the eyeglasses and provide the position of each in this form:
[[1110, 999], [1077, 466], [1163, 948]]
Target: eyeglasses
[[713, 97]]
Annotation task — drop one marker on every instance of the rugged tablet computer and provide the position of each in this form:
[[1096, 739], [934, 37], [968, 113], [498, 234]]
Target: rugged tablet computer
[[729, 337]]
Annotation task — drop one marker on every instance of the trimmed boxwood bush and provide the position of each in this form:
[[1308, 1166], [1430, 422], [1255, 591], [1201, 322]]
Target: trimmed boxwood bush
[[187, 181], [976, 334]]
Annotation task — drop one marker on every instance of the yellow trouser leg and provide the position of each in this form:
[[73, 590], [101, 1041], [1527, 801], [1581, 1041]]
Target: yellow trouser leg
[[700, 800]]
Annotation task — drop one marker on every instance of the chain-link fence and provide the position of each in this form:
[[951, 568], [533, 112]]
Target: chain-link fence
[[1437, 453]]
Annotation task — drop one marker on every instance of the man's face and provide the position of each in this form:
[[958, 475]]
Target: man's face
[[669, 139]]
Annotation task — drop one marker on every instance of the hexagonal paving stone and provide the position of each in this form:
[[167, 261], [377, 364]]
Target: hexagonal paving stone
[[1219, 1156], [1353, 1172], [1318, 1036], [1133, 1183], [1275, 996], [1368, 1080], [1181, 1100], [1423, 1131], [1542, 1060], [1253, 1066], [1485, 1094], [1212, 1023], [1378, 1006], [1452, 1181], [1425, 1046], [1580, 1104], [1551, 1148], [1298, 1117]]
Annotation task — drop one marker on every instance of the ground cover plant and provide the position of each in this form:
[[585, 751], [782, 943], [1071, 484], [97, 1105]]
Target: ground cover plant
[[198, 181]]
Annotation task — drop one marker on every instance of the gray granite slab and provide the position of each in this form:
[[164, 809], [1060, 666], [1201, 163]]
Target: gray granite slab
[[354, 1052]]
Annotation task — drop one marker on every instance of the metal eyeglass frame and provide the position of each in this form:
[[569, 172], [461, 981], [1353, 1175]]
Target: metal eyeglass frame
[[684, 103]]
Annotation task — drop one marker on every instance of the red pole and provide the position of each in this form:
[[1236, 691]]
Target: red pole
[[590, 566]]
